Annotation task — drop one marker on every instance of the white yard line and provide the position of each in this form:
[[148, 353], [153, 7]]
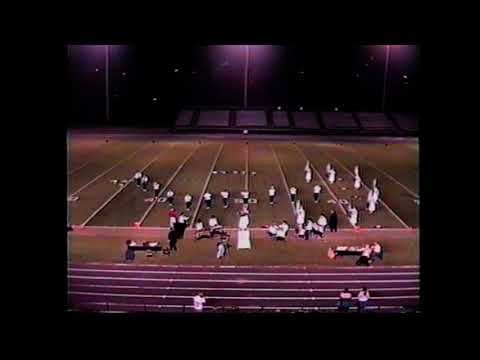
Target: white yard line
[[324, 183], [72, 268], [76, 192], [200, 198], [368, 189], [81, 167], [411, 192], [117, 192], [152, 205], [287, 189], [196, 289], [389, 281], [239, 297]]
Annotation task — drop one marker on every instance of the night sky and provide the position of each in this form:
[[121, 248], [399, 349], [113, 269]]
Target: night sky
[[317, 77]]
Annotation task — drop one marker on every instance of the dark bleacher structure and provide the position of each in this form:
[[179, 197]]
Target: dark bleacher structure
[[301, 122]]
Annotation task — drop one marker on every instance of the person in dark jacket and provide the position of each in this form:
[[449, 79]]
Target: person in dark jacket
[[333, 221], [129, 254], [172, 240]]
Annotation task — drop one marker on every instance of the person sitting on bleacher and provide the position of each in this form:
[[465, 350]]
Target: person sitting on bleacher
[[362, 298], [130, 254], [345, 301]]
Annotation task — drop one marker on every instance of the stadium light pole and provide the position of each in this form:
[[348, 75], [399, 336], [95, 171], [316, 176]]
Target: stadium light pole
[[385, 77], [107, 91], [245, 82]]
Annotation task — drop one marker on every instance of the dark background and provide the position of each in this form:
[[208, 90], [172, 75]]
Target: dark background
[[321, 77]]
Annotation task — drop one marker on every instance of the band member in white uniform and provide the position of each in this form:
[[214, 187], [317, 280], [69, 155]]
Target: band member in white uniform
[[225, 195], [329, 168], [308, 176], [356, 170], [352, 210], [144, 182], [300, 217], [137, 177], [272, 231], [308, 228], [156, 189], [357, 182], [331, 176], [244, 221], [170, 196], [376, 194], [188, 201], [322, 222], [271, 194], [182, 224], [374, 183], [307, 167], [293, 193], [245, 196], [208, 200], [316, 193], [372, 206]]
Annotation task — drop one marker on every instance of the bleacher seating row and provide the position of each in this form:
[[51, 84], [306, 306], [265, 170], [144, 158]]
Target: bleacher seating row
[[322, 122]]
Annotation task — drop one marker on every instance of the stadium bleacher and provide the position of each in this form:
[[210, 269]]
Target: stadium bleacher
[[213, 118], [406, 121], [280, 119], [339, 121], [305, 120], [251, 118], [375, 121], [184, 118]]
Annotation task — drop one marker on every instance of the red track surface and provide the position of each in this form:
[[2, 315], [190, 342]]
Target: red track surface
[[118, 287]]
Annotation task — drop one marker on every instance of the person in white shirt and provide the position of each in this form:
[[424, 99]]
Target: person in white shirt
[[308, 176], [188, 201], [215, 227], [372, 206], [213, 222], [200, 229], [271, 194], [293, 193], [316, 193], [208, 200], [170, 195], [244, 221], [369, 197], [357, 182], [300, 217], [356, 170], [221, 249], [331, 176], [245, 195], [144, 182], [137, 177], [182, 224], [362, 298], [353, 215], [329, 168], [281, 233], [272, 231], [156, 189], [317, 230], [198, 302], [322, 221], [225, 195], [308, 228], [376, 194]]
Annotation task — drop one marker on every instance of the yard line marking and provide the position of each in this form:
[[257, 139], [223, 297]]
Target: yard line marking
[[283, 178], [118, 191], [152, 205], [73, 268], [324, 183], [246, 168], [240, 297], [258, 307], [80, 167], [196, 289], [368, 189], [108, 170], [249, 281], [93, 227], [194, 216], [411, 192]]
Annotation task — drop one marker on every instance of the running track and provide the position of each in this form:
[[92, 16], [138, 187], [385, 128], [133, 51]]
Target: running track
[[128, 288]]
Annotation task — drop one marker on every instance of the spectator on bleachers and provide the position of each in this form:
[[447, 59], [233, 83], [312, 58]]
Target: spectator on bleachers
[[362, 298], [345, 301], [198, 301]]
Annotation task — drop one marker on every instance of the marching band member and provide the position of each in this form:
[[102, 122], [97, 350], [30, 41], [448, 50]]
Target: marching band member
[[138, 177], [170, 195], [188, 201], [208, 199], [271, 194], [357, 182], [144, 182], [308, 176], [156, 189], [316, 193], [331, 176], [225, 195], [293, 193], [353, 215], [245, 195]]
